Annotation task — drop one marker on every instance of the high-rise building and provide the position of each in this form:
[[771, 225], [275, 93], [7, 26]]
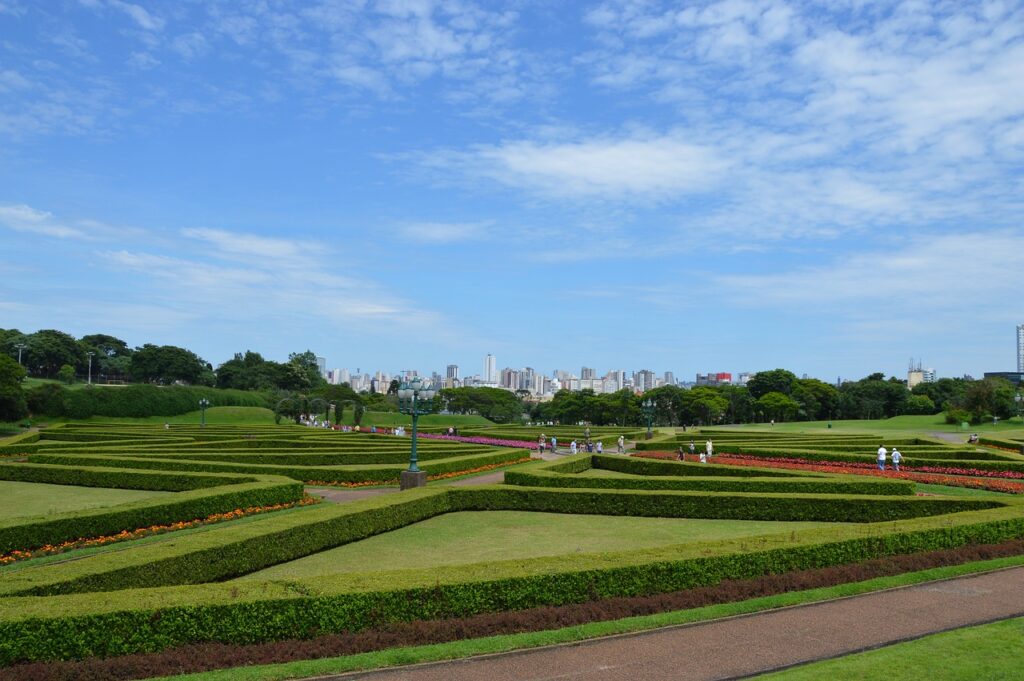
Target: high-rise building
[[490, 369], [452, 372], [670, 378], [321, 365], [644, 380], [588, 373], [1020, 349]]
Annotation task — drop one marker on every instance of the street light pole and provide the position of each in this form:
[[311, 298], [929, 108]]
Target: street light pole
[[20, 346], [415, 398], [90, 366], [203, 404], [648, 408]]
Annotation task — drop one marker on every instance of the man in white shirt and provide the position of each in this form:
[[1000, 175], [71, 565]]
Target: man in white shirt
[[709, 448], [896, 458], [882, 451], [622, 444]]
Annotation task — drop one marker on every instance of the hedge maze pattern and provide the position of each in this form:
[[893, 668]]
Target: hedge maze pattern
[[155, 595]]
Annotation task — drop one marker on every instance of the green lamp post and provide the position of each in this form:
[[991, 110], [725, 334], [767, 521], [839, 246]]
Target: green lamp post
[[203, 404], [415, 398], [647, 407]]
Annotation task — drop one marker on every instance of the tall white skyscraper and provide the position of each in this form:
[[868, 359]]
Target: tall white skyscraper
[[1020, 348], [490, 369]]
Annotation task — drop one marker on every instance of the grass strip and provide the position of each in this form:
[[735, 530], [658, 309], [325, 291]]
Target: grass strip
[[980, 653], [501, 644]]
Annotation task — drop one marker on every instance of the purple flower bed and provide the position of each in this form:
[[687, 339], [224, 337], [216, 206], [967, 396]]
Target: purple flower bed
[[477, 440]]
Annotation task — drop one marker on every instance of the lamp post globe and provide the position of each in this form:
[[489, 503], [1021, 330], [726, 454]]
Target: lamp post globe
[[203, 404]]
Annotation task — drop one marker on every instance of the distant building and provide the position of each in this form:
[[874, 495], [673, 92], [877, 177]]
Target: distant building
[[745, 377], [670, 378], [644, 380], [321, 365], [1020, 349], [1015, 377], [917, 375], [588, 374], [714, 378], [490, 370], [452, 371]]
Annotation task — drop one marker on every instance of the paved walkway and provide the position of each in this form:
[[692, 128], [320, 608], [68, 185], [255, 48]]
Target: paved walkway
[[743, 646]]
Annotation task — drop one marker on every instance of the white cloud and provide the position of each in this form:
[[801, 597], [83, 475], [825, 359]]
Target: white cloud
[[234, 243], [22, 218], [139, 15], [621, 167]]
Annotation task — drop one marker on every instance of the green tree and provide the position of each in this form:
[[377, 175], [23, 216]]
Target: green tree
[[66, 374], [48, 350], [168, 364], [778, 406], [12, 398], [775, 380]]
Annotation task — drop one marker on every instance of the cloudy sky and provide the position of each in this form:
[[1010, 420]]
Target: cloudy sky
[[689, 186]]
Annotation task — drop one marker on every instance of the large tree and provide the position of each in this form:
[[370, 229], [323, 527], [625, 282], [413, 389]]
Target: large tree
[[773, 381], [12, 399], [48, 350], [168, 364]]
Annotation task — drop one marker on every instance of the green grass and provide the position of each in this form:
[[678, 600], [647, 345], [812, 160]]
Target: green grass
[[507, 643], [950, 491], [391, 418], [988, 651], [473, 537], [20, 499]]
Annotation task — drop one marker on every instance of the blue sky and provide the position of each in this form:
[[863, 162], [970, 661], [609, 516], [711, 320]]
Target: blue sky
[[738, 185]]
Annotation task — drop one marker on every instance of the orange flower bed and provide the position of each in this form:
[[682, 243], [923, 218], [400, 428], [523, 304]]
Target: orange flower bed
[[439, 476], [125, 535]]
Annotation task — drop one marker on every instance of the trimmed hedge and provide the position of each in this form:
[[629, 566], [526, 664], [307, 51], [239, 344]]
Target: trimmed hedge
[[81, 626], [117, 478], [33, 532]]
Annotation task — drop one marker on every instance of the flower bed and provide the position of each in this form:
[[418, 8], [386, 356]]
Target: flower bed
[[994, 481], [439, 476], [141, 532], [481, 440]]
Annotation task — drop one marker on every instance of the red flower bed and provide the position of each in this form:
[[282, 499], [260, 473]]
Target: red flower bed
[[124, 535]]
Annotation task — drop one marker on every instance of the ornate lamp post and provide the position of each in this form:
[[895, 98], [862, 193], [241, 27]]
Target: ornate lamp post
[[203, 404], [647, 407], [20, 346], [90, 366], [415, 398]]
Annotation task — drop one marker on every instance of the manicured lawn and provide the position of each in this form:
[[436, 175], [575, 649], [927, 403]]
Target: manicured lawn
[[949, 491], [18, 499], [391, 418], [473, 537], [989, 651], [919, 425]]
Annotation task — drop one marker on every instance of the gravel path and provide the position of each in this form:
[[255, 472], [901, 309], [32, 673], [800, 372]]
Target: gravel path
[[742, 646]]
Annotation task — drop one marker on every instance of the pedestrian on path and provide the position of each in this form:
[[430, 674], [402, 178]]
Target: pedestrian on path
[[600, 447], [882, 451], [693, 448], [681, 453], [709, 448], [896, 458], [554, 445], [572, 447], [622, 444], [703, 456], [541, 442]]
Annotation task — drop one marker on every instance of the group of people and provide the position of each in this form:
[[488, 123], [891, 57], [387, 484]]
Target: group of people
[[895, 456], [575, 447], [705, 454]]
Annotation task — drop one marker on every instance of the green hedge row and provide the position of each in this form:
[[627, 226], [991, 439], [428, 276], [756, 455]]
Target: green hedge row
[[117, 478], [82, 626], [34, 532], [936, 458], [654, 467], [366, 473], [150, 400]]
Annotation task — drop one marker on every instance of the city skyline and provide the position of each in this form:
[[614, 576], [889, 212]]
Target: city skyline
[[829, 188]]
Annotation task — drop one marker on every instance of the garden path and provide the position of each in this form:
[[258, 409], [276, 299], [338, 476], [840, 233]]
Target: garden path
[[751, 644]]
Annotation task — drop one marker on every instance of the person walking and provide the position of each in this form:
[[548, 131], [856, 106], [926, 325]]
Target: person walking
[[600, 447], [703, 456], [622, 444], [541, 442], [572, 447], [554, 445], [882, 451], [896, 458], [681, 454], [709, 448], [693, 448]]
